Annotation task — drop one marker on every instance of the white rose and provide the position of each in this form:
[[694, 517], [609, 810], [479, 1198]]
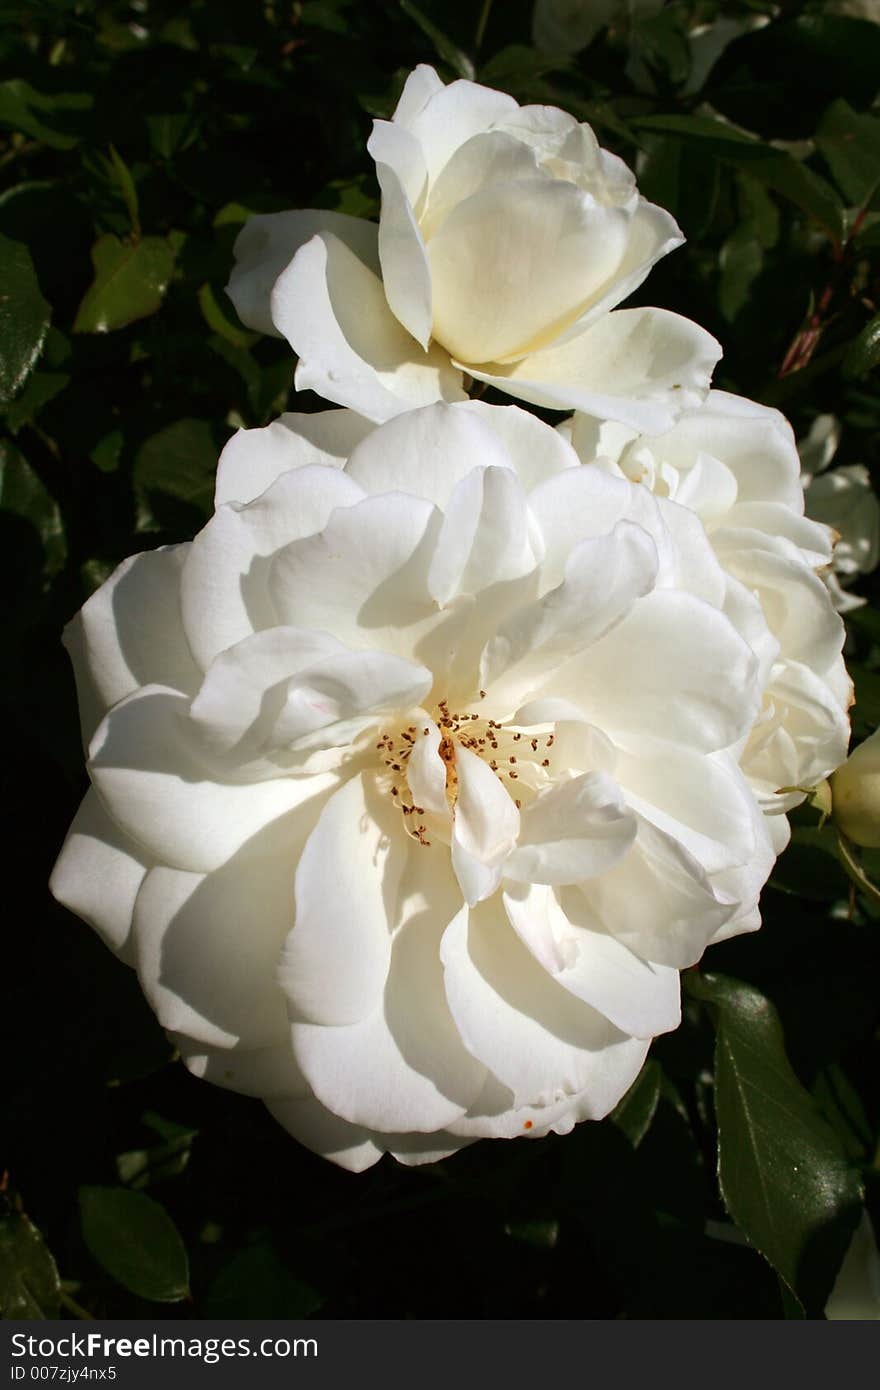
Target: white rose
[[412, 788], [734, 463], [506, 236]]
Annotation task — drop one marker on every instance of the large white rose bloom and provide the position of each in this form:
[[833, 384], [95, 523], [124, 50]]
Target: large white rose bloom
[[414, 778], [735, 464], [506, 237]]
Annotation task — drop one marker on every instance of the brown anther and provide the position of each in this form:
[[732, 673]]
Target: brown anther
[[493, 765], [513, 774], [517, 737], [482, 694], [395, 792], [534, 745], [546, 762], [426, 732], [551, 740], [518, 804], [395, 767], [511, 759]]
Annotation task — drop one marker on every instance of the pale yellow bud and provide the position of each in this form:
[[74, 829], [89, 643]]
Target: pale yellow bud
[[855, 792]]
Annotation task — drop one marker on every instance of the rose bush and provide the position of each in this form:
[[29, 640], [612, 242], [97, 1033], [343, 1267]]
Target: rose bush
[[415, 777], [506, 238], [736, 465]]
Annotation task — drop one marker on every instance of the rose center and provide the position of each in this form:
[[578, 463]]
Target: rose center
[[521, 759]]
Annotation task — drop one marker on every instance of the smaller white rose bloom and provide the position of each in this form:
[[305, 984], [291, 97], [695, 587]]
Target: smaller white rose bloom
[[734, 463], [843, 499], [856, 1293], [415, 779], [507, 237]]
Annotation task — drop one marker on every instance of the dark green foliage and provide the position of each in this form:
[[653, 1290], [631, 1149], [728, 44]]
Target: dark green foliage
[[133, 144]]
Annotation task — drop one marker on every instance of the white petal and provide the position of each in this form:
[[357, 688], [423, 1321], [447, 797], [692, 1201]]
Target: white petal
[[267, 244], [333, 311], [604, 576], [450, 116], [406, 274], [349, 1146], [639, 366], [659, 901], [485, 826], [336, 959], [426, 770], [427, 452], [573, 505], [651, 233], [391, 144], [208, 945], [364, 577], [488, 158], [287, 690], [815, 541], [418, 88], [795, 601], [754, 442], [266, 1072], [129, 634], [573, 831], [98, 874], [145, 770], [534, 1036], [703, 801], [486, 537], [403, 1068], [253, 459], [223, 588], [638, 996], [674, 670], [534, 450], [544, 233]]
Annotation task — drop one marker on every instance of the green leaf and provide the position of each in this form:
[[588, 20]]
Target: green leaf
[[215, 316], [863, 353], [633, 1114], [40, 389], [29, 1284], [122, 175], [784, 1175], [256, 1284], [24, 317], [179, 462], [683, 179], [777, 169], [740, 261], [20, 103], [131, 278], [22, 495], [850, 145], [443, 46], [134, 1239]]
